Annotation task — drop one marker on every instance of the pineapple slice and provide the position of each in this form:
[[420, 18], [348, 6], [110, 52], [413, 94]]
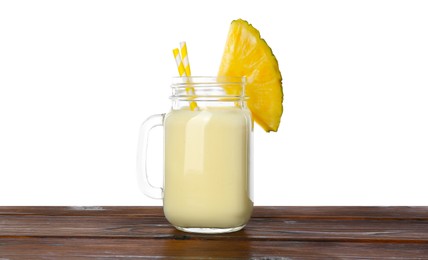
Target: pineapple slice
[[247, 54]]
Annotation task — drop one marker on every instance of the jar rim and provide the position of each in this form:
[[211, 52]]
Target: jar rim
[[207, 80], [209, 88]]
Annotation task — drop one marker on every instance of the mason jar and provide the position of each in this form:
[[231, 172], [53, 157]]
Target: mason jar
[[207, 139]]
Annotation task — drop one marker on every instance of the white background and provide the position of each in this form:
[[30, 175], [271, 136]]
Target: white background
[[77, 78]]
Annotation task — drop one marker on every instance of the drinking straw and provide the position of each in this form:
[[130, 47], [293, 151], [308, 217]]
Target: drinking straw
[[180, 66], [185, 58], [184, 71]]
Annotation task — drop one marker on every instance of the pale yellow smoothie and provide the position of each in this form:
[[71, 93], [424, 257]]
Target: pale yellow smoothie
[[207, 168]]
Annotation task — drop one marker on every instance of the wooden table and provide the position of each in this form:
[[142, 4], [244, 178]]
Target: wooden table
[[272, 233]]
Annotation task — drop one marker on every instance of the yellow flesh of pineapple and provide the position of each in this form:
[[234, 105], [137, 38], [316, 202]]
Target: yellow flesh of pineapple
[[247, 54]]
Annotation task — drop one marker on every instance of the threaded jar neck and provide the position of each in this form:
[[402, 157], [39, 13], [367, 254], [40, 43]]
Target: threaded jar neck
[[208, 91]]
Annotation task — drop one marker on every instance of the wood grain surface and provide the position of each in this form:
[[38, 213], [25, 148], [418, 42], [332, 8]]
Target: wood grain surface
[[272, 233]]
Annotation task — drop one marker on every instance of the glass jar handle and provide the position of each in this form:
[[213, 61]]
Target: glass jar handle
[[143, 180]]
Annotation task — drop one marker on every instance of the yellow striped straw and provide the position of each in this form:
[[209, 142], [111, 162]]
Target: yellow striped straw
[[185, 58], [184, 71], [180, 66]]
